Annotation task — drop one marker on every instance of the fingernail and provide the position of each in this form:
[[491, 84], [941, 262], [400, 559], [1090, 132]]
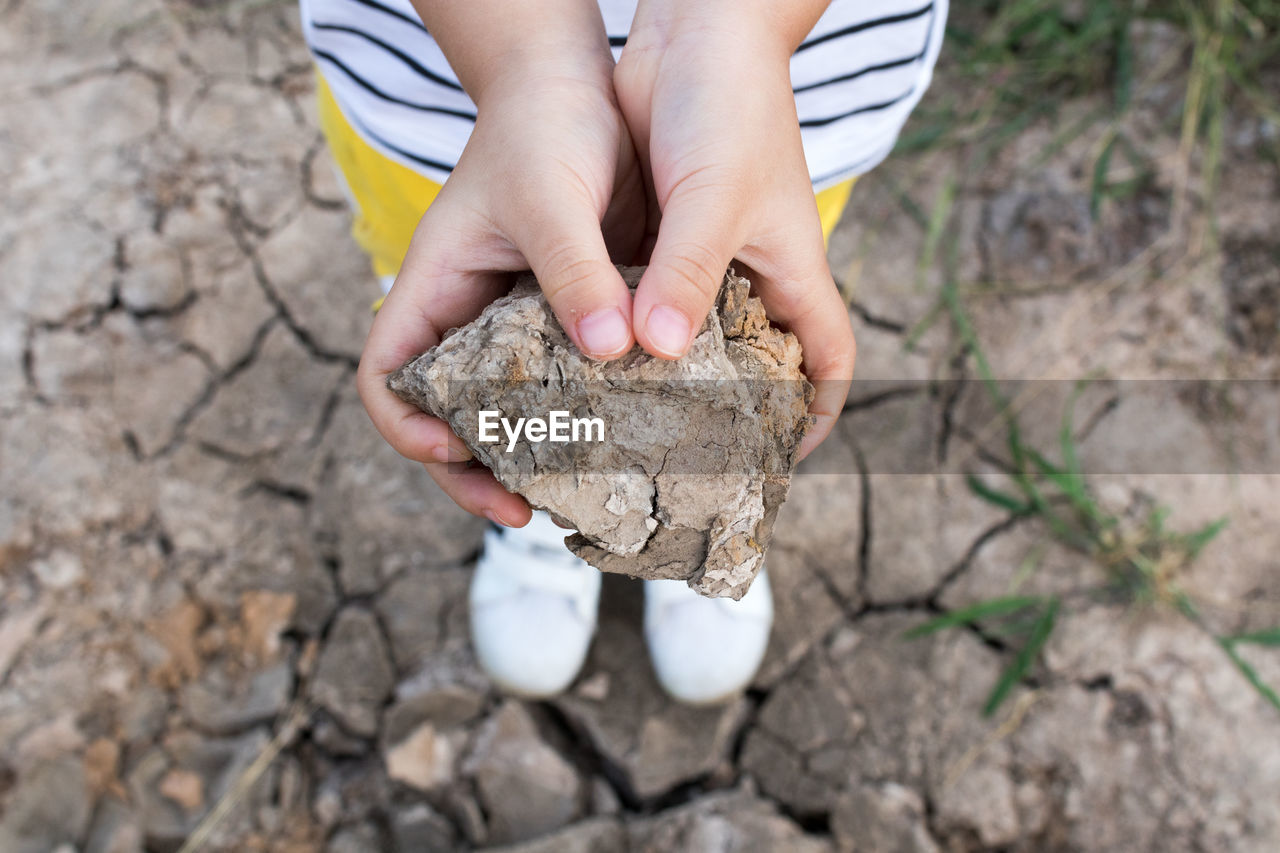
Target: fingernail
[[495, 518], [450, 452], [603, 332], [668, 330]]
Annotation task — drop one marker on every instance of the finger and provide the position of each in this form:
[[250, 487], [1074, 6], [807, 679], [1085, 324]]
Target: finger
[[830, 374], [474, 489], [632, 79], [426, 300], [809, 305], [565, 248], [697, 238]]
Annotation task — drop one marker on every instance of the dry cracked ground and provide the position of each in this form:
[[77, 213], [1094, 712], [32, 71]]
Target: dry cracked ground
[[230, 615]]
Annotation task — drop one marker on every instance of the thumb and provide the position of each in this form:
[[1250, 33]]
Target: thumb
[[697, 239], [565, 248]]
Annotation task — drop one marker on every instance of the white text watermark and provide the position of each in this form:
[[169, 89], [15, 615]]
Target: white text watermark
[[557, 427]]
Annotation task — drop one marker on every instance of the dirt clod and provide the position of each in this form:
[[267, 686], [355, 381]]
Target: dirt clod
[[696, 455]]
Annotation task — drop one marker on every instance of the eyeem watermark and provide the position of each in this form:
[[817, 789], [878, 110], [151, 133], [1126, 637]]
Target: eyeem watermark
[[557, 428]]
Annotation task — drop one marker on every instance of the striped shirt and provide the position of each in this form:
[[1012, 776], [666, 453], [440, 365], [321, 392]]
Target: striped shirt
[[856, 78]]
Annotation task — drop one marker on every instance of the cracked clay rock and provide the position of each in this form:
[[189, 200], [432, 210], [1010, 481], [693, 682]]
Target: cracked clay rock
[[695, 456]]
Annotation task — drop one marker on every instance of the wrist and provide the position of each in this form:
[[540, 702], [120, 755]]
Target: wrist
[[497, 45], [531, 71], [762, 28]]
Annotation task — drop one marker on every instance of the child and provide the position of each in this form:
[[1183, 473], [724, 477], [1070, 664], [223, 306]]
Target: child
[[685, 134]]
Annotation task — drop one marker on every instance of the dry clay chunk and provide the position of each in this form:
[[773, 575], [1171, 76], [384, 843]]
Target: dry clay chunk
[[696, 456]]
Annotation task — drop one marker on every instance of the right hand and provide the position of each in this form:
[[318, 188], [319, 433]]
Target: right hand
[[549, 181]]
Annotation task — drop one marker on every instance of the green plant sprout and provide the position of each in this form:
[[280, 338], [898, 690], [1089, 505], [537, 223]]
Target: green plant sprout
[[1143, 567], [1019, 63]]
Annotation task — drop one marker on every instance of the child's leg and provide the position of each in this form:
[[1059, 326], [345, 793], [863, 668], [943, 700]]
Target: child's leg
[[388, 198], [831, 202]]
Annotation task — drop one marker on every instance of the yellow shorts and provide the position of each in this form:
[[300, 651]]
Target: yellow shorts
[[390, 198]]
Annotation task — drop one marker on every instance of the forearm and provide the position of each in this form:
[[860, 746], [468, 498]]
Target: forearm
[[765, 24], [490, 42]]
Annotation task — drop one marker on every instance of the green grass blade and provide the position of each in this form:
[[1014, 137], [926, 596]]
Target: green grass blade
[[1123, 72], [999, 498], [1073, 472], [1069, 485], [973, 613], [1268, 637], [1098, 187], [1026, 656], [1067, 434], [1024, 477], [1187, 607], [939, 216], [1155, 522], [1073, 487], [951, 299], [1251, 675], [1048, 469], [1196, 542], [916, 332]]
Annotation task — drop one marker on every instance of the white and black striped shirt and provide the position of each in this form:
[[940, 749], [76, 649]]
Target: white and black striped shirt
[[856, 78]]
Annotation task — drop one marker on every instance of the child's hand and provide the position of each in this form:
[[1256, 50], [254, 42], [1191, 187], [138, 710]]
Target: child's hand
[[705, 87], [549, 161]]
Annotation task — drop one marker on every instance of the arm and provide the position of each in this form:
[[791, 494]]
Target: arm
[[765, 24], [705, 87], [487, 41], [548, 181]]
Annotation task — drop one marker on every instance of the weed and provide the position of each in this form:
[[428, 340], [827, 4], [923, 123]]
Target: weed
[[1016, 63], [1141, 566]]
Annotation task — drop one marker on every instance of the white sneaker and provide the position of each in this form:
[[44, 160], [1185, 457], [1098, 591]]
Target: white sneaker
[[706, 650], [533, 608]]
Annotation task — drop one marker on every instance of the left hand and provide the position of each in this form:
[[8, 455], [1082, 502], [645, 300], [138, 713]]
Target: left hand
[[707, 97]]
